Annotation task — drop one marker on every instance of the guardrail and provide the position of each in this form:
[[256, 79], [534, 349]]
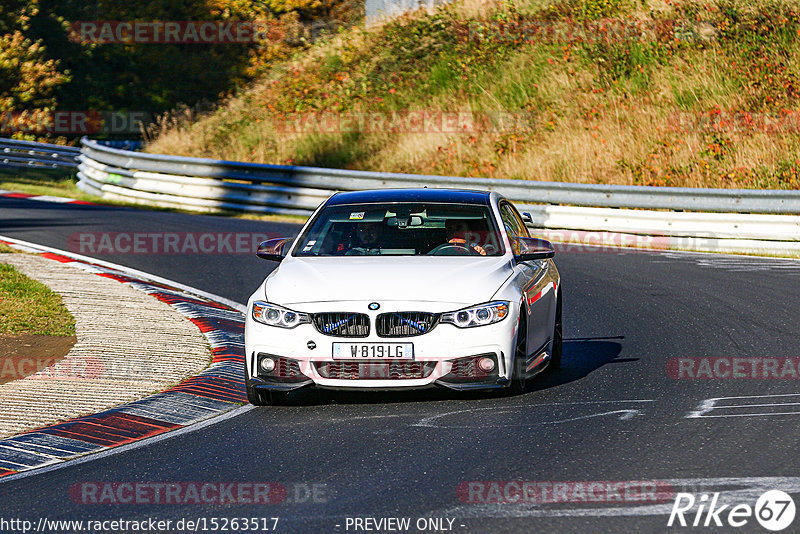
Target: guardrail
[[256, 187], [705, 219], [27, 155], [752, 221], [376, 10]]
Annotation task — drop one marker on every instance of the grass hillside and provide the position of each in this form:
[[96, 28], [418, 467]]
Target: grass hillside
[[651, 92]]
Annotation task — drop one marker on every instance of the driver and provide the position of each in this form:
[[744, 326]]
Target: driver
[[457, 230], [367, 238]]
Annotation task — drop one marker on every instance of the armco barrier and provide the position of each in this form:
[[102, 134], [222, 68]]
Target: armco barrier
[[734, 220], [28, 155], [302, 188], [377, 10], [228, 180]]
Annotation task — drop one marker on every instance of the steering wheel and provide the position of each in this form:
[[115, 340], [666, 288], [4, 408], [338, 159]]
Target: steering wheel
[[363, 251], [453, 249]]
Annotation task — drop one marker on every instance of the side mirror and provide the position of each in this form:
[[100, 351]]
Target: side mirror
[[527, 217], [274, 249], [532, 249]]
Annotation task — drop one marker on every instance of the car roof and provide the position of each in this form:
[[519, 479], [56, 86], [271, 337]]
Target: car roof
[[455, 196]]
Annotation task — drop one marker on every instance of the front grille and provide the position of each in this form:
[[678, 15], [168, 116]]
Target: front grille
[[342, 324], [405, 324], [466, 369], [375, 370], [286, 369]]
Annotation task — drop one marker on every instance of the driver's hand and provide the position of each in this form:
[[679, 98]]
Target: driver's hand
[[460, 241]]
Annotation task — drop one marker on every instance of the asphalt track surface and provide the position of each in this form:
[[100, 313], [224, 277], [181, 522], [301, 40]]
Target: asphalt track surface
[[611, 414]]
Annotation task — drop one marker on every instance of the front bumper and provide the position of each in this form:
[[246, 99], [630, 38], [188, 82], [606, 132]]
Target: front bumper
[[460, 374], [443, 353]]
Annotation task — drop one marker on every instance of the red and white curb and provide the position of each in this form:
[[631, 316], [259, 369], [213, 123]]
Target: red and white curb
[[217, 390], [43, 198]]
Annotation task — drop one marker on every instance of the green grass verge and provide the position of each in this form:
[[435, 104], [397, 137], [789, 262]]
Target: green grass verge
[[30, 307], [37, 183]]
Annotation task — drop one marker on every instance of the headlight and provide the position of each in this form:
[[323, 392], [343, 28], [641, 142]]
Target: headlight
[[484, 314], [273, 315]]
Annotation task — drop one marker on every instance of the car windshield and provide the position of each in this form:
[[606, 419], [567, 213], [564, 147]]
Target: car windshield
[[402, 229]]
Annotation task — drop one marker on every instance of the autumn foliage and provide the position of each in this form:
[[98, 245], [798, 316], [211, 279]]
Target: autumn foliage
[[43, 68], [29, 79]]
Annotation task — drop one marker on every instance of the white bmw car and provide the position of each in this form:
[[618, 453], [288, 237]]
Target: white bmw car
[[404, 289]]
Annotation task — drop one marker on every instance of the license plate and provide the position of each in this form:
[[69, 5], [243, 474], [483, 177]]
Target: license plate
[[373, 351]]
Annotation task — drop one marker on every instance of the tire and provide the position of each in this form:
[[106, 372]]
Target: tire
[[558, 337], [518, 375]]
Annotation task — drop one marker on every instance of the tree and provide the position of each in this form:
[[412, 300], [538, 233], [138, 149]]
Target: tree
[[28, 79]]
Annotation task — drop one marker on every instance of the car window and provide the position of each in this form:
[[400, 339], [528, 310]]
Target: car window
[[401, 229], [512, 220]]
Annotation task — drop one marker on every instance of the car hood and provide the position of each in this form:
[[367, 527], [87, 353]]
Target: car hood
[[461, 280]]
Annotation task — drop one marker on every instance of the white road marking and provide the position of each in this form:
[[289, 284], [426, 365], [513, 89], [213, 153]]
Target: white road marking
[[48, 198], [432, 421], [732, 262], [742, 490], [707, 406]]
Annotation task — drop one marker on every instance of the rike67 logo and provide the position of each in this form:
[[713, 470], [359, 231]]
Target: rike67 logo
[[774, 510]]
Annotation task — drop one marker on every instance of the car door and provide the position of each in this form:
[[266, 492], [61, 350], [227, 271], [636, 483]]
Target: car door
[[536, 284]]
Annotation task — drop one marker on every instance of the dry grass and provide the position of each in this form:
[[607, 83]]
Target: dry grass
[[580, 126]]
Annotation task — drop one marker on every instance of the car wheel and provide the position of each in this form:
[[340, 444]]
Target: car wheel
[[555, 359], [518, 374]]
